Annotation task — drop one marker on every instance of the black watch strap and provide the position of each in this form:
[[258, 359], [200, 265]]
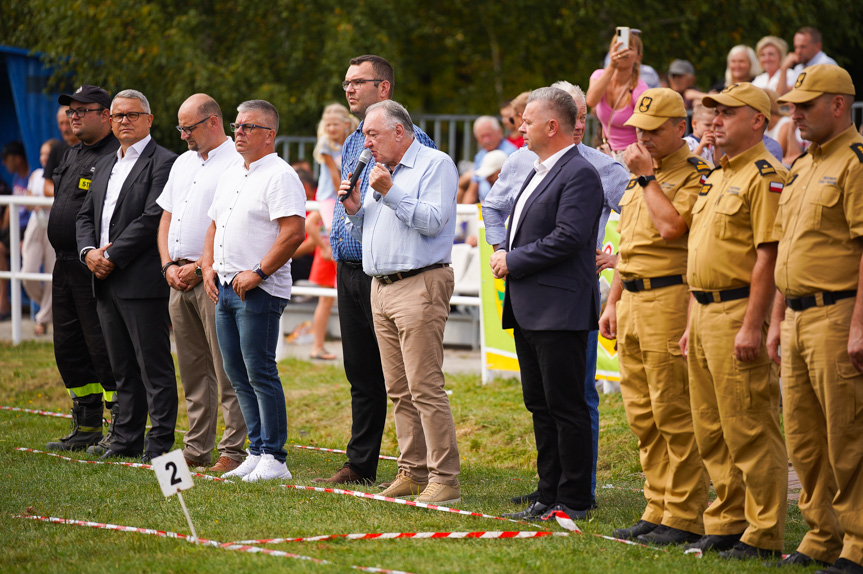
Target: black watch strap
[[643, 180], [257, 269]]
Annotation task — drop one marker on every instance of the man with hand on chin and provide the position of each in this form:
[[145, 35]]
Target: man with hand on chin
[[258, 215]]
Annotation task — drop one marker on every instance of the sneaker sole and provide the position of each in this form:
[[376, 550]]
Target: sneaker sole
[[439, 502]]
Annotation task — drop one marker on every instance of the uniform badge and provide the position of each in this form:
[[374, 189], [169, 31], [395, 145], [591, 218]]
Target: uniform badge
[[705, 189], [776, 187], [700, 165], [858, 149], [632, 183], [644, 104], [729, 88], [800, 79], [84, 184], [764, 167], [790, 181]]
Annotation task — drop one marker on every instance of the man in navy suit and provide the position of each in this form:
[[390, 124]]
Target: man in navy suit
[[552, 299], [116, 235]]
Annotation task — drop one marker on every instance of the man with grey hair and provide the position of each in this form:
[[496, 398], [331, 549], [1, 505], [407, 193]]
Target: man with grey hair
[[258, 221], [116, 236], [489, 136], [552, 299], [407, 228], [498, 205]]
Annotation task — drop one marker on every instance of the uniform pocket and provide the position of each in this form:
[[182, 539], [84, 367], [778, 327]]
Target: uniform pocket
[[757, 385], [726, 210], [850, 389], [826, 198]]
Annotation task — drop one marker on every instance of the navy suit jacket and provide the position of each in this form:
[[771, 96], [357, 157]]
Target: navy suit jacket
[[134, 224], [552, 256]]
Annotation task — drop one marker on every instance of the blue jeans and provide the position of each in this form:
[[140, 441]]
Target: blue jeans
[[248, 332], [592, 397]]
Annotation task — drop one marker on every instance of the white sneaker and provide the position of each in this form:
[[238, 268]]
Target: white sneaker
[[246, 468], [268, 469]]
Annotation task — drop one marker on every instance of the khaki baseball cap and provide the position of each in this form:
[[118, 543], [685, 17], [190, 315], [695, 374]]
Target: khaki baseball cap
[[655, 107], [817, 80], [738, 95]]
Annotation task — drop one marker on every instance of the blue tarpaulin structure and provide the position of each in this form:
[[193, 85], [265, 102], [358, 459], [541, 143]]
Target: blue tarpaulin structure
[[27, 112]]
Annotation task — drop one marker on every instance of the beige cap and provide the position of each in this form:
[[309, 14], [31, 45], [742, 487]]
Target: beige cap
[[817, 80], [738, 95], [491, 163], [655, 107]]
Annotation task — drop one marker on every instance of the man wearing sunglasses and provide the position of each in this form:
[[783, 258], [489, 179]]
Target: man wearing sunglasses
[[116, 233], [186, 198]]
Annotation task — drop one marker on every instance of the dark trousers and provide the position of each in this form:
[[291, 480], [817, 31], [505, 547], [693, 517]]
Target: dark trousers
[[79, 347], [552, 367], [363, 368], [139, 347]]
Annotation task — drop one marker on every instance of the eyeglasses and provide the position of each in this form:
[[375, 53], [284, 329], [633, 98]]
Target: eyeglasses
[[81, 112], [189, 129], [356, 84], [131, 116], [247, 128]]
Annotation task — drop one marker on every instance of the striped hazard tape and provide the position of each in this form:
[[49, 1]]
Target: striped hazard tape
[[204, 542], [58, 415], [382, 457], [484, 535]]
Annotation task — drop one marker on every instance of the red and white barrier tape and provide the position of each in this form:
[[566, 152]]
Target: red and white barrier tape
[[34, 412], [204, 542], [382, 457], [130, 464], [484, 535]]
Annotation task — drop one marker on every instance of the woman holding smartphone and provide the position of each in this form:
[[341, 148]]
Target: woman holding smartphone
[[613, 92]]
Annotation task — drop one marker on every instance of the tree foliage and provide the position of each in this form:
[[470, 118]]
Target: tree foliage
[[450, 57]]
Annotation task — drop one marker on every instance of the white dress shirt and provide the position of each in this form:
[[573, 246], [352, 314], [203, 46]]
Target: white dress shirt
[[188, 195], [541, 169], [121, 170], [245, 209]]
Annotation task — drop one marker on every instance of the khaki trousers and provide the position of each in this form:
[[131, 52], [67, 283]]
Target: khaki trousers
[[823, 398], [409, 317], [655, 388], [203, 376], [735, 408]]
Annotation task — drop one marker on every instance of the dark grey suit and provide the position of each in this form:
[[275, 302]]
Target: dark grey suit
[[132, 301]]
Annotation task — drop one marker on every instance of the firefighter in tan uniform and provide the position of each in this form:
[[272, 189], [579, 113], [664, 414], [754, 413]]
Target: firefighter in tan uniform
[[734, 393], [820, 230], [646, 312]]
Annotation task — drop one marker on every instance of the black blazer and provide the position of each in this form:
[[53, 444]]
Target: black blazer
[[552, 282], [134, 224]]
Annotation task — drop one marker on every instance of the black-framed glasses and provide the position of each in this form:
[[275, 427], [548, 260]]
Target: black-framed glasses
[[81, 112], [131, 116], [247, 128], [356, 84], [189, 129]]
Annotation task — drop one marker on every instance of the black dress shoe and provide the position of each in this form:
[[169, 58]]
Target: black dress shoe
[[634, 531], [665, 535], [796, 559], [572, 513], [743, 551], [110, 453], [532, 512], [715, 542], [842, 566], [525, 498], [147, 457]]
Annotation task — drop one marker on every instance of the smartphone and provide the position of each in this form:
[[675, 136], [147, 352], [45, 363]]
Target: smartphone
[[622, 35]]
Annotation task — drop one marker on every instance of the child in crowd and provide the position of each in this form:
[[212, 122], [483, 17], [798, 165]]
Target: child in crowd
[[702, 142]]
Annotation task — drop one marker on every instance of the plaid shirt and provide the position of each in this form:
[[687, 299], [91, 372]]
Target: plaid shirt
[[345, 247]]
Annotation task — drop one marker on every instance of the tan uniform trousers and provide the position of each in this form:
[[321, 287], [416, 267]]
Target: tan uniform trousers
[[823, 398], [410, 316], [193, 316], [655, 388], [735, 410]]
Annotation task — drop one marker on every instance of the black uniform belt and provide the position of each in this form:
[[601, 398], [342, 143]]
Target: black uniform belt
[[707, 297], [352, 264], [392, 278], [818, 300], [652, 283]]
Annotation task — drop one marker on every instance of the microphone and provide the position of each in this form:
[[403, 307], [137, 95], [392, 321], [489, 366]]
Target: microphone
[[362, 162]]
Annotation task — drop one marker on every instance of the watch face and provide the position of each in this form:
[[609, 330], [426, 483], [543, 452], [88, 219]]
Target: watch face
[[199, 272]]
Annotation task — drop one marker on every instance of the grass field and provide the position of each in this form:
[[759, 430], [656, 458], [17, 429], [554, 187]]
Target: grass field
[[496, 444]]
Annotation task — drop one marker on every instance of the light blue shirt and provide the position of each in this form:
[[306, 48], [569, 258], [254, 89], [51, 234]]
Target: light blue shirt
[[413, 225], [499, 201], [484, 187]]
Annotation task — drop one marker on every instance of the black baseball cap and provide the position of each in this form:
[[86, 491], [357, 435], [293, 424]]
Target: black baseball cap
[[87, 94], [13, 148]]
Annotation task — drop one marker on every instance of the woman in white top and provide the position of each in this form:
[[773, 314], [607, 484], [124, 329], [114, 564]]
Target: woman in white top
[[771, 52], [36, 251], [782, 129]]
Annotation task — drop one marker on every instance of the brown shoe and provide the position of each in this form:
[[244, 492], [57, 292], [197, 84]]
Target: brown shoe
[[195, 466], [224, 464], [345, 475], [437, 493], [404, 486]]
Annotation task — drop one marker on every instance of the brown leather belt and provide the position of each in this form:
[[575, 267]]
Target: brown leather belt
[[392, 278]]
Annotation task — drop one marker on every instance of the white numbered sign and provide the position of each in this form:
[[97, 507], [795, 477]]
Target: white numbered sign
[[172, 472]]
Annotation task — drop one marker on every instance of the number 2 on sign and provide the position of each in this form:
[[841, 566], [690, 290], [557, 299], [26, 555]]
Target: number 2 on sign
[[172, 473], [173, 468]]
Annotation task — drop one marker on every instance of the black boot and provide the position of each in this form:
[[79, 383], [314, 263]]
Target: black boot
[[106, 441], [86, 426]]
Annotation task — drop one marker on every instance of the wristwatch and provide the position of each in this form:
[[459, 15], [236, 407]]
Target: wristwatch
[[165, 267], [643, 180], [198, 271], [257, 269]]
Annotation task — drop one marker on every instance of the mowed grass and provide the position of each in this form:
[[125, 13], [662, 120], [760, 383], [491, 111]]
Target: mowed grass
[[496, 444]]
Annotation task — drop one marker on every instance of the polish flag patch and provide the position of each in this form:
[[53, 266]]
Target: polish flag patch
[[776, 187]]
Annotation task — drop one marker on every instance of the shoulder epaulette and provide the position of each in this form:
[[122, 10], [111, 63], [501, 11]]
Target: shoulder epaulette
[[804, 153], [857, 148], [632, 183], [700, 165], [765, 167]]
